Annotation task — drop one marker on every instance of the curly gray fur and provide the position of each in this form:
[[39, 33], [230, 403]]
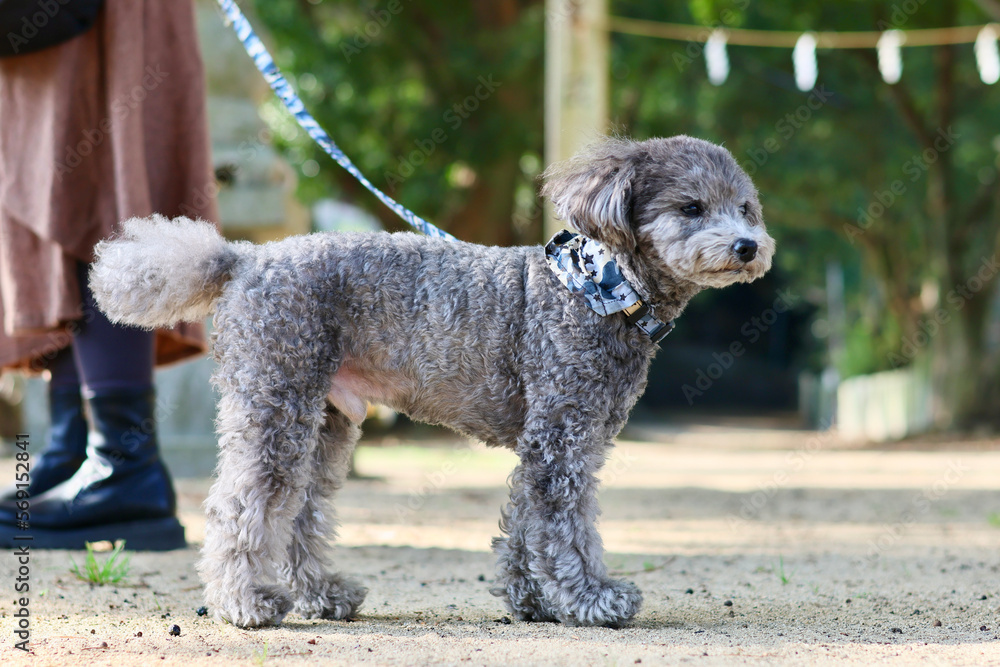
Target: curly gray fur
[[483, 340]]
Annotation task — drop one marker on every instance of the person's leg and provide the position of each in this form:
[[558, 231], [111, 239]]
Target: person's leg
[[122, 490], [62, 371], [67, 441], [110, 357]]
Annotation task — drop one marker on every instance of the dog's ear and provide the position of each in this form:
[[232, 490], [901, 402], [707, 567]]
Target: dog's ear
[[593, 193]]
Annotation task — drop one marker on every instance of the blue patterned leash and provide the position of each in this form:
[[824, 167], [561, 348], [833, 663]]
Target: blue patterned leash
[[265, 63]]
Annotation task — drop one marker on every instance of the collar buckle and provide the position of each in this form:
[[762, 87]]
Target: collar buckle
[[636, 312]]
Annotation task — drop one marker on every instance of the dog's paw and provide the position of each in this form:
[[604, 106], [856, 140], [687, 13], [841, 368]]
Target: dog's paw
[[334, 597], [523, 598], [612, 603], [257, 607], [533, 613]]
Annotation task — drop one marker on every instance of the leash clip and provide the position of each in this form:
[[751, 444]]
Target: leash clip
[[661, 333]]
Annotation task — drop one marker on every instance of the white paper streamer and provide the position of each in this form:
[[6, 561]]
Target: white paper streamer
[[890, 59], [988, 54], [804, 61], [716, 58]]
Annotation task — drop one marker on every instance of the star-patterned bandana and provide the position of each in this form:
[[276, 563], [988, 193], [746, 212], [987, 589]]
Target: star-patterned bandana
[[587, 268]]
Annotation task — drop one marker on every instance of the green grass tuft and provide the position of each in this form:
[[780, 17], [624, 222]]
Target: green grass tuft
[[113, 570], [780, 571]]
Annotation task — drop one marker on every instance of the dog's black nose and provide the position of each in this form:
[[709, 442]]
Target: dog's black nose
[[745, 249]]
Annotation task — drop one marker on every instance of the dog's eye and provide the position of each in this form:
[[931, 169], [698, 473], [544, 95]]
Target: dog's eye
[[743, 210], [692, 210]]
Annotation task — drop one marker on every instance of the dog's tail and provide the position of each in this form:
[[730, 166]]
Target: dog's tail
[[158, 271]]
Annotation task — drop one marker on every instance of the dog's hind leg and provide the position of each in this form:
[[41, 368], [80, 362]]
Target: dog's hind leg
[[272, 408], [553, 540], [262, 474], [318, 593]]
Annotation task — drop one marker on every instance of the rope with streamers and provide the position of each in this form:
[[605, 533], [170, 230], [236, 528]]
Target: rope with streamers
[[265, 63]]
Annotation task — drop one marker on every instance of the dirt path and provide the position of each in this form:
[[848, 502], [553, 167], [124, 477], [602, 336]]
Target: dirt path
[[752, 546]]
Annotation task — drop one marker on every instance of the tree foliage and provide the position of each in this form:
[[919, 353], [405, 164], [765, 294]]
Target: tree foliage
[[898, 183], [440, 104]]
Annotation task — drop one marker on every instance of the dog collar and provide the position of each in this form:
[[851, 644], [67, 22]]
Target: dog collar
[[587, 268]]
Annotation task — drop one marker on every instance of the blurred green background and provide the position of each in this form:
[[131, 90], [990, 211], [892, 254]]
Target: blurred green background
[[883, 198]]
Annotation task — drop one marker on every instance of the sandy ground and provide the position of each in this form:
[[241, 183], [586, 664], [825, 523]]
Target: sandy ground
[[753, 545]]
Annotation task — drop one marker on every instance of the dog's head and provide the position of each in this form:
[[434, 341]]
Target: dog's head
[[682, 203]]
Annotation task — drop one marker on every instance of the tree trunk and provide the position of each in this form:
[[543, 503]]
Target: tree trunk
[[486, 216], [964, 377]]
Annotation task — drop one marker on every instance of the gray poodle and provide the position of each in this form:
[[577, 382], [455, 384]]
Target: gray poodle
[[487, 341]]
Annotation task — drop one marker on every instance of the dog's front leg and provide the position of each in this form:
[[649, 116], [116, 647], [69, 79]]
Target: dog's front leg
[[553, 545], [515, 583]]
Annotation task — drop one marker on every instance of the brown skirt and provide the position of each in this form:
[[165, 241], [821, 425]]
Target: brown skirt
[[107, 126]]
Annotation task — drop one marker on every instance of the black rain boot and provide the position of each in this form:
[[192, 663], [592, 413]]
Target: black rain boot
[[121, 492], [67, 446]]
